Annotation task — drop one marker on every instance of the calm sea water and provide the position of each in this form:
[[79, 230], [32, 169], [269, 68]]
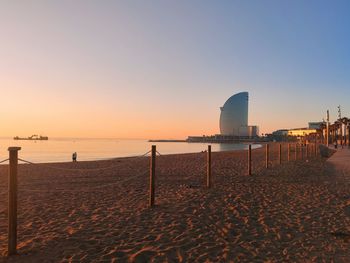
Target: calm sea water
[[60, 150]]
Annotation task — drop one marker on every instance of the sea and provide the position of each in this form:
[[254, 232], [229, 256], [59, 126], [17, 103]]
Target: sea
[[61, 149]]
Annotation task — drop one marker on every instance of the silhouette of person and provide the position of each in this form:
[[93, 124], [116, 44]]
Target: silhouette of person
[[74, 156]]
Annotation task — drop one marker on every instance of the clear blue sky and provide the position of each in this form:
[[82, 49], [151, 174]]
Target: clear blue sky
[[163, 68]]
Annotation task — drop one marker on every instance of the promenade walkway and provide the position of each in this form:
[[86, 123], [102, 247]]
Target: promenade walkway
[[340, 161]]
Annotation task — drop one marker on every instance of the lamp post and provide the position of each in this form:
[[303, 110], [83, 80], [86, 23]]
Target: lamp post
[[327, 129]]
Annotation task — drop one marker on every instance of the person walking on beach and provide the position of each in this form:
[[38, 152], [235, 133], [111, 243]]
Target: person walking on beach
[[74, 156]]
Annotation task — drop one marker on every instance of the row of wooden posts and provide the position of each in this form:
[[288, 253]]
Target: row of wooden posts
[[12, 189], [308, 153]]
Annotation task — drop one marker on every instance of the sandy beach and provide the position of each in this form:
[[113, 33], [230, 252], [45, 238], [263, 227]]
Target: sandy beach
[[98, 211]]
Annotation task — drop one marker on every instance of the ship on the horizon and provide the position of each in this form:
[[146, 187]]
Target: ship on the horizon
[[33, 137]]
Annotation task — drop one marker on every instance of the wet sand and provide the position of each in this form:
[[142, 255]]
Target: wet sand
[[295, 212]]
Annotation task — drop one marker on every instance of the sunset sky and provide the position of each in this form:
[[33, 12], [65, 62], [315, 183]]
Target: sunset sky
[[162, 69]]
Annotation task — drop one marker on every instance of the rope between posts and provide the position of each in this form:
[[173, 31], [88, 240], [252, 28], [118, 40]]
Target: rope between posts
[[71, 169], [86, 169], [84, 189], [144, 154], [28, 162], [4, 160]]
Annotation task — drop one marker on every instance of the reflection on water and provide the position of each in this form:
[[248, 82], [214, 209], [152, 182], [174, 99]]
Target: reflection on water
[[60, 150], [230, 146]]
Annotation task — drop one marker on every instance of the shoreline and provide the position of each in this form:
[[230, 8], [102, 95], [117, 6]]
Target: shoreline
[[216, 141], [254, 146]]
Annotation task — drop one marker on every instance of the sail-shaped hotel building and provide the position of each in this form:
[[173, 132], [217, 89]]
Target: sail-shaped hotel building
[[233, 122], [234, 117]]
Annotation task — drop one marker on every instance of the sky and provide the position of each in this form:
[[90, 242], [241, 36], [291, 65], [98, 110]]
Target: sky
[[162, 69]]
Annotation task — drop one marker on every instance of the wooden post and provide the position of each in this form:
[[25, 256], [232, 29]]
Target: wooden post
[[331, 136], [302, 151], [12, 209], [209, 167], [341, 133], [311, 149], [307, 151], [280, 154], [345, 134], [336, 135], [315, 149], [327, 129], [250, 159], [152, 176], [288, 152], [267, 156], [296, 151]]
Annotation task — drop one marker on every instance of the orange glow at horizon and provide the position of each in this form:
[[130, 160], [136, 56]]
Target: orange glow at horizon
[[74, 112]]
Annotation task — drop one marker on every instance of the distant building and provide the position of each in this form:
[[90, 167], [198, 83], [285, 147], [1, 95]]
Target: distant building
[[282, 132], [316, 125], [234, 117], [249, 131], [301, 132], [280, 136]]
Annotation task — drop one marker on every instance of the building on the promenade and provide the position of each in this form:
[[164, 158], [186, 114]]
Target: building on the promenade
[[281, 132], [316, 125], [301, 132], [234, 117]]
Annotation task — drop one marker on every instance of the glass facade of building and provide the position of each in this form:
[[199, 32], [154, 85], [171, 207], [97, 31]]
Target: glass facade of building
[[234, 115]]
